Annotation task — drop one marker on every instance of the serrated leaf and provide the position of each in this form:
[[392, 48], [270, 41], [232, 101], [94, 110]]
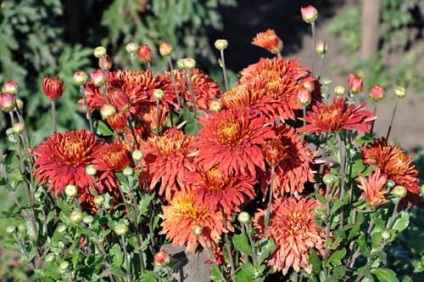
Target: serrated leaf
[[241, 243], [216, 274], [337, 257], [118, 271], [102, 129], [402, 222], [117, 255], [384, 275], [149, 276], [315, 261]]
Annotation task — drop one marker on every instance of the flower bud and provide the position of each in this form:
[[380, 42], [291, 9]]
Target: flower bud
[[80, 78], [165, 49], [326, 81], [7, 102], [105, 63], [10, 229], [10, 87], [76, 216], [9, 132], [118, 122], [269, 40], [53, 87], [121, 229], [197, 230], [50, 257], [329, 179], [400, 92], [99, 52], [107, 110], [131, 47], [221, 44], [304, 97], [243, 217], [180, 64], [390, 183], [61, 229], [99, 200], [98, 77], [215, 105], [63, 266], [90, 170], [377, 93], [321, 48], [137, 155], [19, 104], [386, 235], [161, 258], [309, 14], [339, 91], [22, 227], [355, 83], [88, 219], [189, 63], [18, 128], [144, 54], [128, 171], [399, 191], [158, 94], [71, 190], [38, 195], [310, 85]]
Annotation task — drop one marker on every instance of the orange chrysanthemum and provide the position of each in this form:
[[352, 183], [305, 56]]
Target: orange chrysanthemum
[[166, 160], [337, 116], [293, 229], [182, 214], [293, 168], [271, 86], [61, 160], [219, 190], [205, 89], [374, 188], [231, 139], [393, 162], [268, 40]]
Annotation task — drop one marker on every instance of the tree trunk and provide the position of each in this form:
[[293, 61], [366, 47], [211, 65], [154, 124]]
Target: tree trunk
[[370, 28]]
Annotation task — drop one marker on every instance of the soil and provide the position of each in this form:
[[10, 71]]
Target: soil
[[250, 17]]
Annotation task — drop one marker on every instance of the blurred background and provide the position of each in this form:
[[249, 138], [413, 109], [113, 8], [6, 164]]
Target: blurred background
[[382, 39]]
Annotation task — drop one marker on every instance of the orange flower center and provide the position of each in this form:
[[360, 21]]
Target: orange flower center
[[172, 144], [228, 132], [215, 180], [330, 115], [72, 150], [185, 206], [116, 157]]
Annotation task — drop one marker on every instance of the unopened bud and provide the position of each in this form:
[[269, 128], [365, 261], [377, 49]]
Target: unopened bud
[[107, 110], [399, 191], [377, 93], [326, 81], [76, 216], [355, 83], [10, 87], [165, 49], [99, 52], [158, 94], [105, 63], [10, 229], [90, 170], [310, 85], [189, 63], [386, 235], [321, 48], [61, 229], [98, 77], [80, 78], [71, 190], [309, 14], [137, 155], [7, 102], [121, 229], [63, 266], [339, 90], [215, 105], [243, 217], [329, 179], [197, 230], [99, 200], [221, 44], [400, 92], [304, 97], [161, 258], [128, 171], [88, 219], [18, 128], [131, 48], [144, 54], [390, 183], [20, 104], [50, 257]]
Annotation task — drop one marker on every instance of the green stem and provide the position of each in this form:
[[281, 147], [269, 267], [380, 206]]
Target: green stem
[[127, 264], [53, 105], [173, 80], [246, 228], [392, 119], [342, 153], [90, 119], [268, 210], [314, 42], [224, 69], [228, 247], [193, 98], [212, 257], [375, 114]]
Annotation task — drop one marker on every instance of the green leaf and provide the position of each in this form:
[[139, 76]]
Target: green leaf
[[216, 274], [118, 271], [336, 257], [315, 261], [402, 222], [241, 243], [149, 276], [117, 255], [102, 128], [384, 274], [246, 273]]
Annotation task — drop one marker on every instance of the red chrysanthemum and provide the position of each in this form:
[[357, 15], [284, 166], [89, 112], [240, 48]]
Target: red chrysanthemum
[[219, 190], [272, 87], [374, 188], [268, 40], [166, 160], [205, 89], [393, 162], [293, 168], [61, 160], [293, 229], [231, 139], [337, 116], [182, 214]]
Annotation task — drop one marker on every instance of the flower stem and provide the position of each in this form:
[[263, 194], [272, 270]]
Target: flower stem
[[314, 39], [392, 119], [174, 82], [90, 120], [213, 257], [321, 69], [224, 69], [342, 153], [53, 105], [268, 210], [127, 264], [193, 98], [246, 228], [228, 246], [375, 114], [157, 117]]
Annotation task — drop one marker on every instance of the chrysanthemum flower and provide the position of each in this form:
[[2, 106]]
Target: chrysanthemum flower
[[166, 160], [393, 162], [337, 116], [268, 40], [220, 190], [293, 229], [231, 139], [273, 86], [293, 168], [374, 188], [182, 214], [205, 89]]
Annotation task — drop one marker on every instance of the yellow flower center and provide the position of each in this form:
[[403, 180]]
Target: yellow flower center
[[228, 132]]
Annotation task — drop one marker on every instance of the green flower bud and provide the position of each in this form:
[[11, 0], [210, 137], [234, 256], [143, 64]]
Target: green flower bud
[[10, 229], [99, 52], [243, 217], [50, 257], [400, 92], [99, 200], [76, 216], [197, 230], [71, 190], [386, 235], [339, 90], [221, 44], [90, 170], [390, 183], [329, 179], [63, 266], [137, 155], [61, 229], [158, 94], [88, 219], [128, 171], [121, 229], [131, 47], [399, 191]]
